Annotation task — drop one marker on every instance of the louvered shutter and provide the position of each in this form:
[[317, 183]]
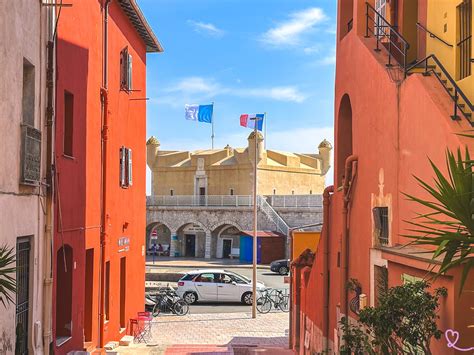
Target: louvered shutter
[[122, 167], [129, 172], [129, 72]]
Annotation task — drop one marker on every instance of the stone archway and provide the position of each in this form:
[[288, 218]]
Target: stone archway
[[225, 240], [158, 233], [191, 240]]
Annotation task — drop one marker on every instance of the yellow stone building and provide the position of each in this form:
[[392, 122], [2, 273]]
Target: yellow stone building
[[228, 171]]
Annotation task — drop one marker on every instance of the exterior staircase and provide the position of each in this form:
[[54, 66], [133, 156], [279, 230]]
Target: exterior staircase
[[431, 65], [396, 47], [268, 210]]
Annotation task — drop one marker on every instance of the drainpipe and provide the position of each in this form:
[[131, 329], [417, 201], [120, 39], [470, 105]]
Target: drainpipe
[[326, 202], [48, 230], [104, 131], [350, 172]]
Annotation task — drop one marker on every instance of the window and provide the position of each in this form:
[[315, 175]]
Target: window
[[292, 192], [381, 8], [68, 123], [205, 278], [231, 192], [126, 167], [171, 192], [410, 279], [381, 224], [345, 17], [274, 191], [30, 152], [107, 291], [310, 192], [125, 70], [224, 279], [187, 277], [381, 282], [464, 45], [28, 98]]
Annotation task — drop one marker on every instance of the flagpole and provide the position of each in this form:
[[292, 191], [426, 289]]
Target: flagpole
[[212, 126], [254, 257]]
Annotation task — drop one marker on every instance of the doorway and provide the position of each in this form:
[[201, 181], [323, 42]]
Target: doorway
[[226, 248], [88, 297], [123, 277], [190, 245]]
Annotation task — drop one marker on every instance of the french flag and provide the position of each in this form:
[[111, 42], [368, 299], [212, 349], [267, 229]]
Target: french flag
[[248, 120]]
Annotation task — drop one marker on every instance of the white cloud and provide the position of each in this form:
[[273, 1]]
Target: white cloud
[[194, 85], [206, 28], [198, 88], [329, 59], [280, 93], [289, 33]]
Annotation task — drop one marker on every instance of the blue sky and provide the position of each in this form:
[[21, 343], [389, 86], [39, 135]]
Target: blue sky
[[246, 56]]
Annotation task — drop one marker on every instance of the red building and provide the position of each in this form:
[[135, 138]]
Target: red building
[[99, 273], [389, 118]]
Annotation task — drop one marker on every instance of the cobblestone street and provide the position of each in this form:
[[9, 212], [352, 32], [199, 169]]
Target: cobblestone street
[[174, 334]]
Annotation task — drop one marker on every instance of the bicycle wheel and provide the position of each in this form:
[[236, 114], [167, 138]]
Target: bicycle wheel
[[180, 308], [156, 310], [264, 305], [284, 303]]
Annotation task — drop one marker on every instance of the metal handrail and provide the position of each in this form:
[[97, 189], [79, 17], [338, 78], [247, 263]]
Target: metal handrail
[[280, 223], [457, 90], [380, 33], [432, 35]]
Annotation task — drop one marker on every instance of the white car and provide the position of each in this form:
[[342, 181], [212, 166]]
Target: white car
[[216, 286]]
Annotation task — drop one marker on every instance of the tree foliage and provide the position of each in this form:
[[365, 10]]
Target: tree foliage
[[404, 322], [7, 281], [449, 224]]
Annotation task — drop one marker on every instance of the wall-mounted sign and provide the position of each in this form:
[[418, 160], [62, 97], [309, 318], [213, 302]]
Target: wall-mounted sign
[[124, 244], [192, 228]]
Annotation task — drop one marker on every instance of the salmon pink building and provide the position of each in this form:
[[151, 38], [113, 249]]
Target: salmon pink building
[[99, 255], [404, 89]]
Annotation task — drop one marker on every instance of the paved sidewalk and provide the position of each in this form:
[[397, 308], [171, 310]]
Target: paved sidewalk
[[216, 333], [196, 263]]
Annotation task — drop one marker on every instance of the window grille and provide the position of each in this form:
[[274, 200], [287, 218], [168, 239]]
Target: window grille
[[464, 46], [381, 224]]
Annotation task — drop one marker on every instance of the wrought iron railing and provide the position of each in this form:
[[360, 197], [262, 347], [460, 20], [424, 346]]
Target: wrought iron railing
[[432, 65], [387, 37], [432, 35]]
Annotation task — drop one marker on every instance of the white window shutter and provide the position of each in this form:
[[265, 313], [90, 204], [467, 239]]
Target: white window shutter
[[130, 174], [129, 72], [122, 166]]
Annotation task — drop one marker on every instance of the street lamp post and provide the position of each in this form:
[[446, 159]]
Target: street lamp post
[[254, 258]]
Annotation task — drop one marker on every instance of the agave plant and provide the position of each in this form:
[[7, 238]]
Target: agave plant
[[7, 281], [449, 224]]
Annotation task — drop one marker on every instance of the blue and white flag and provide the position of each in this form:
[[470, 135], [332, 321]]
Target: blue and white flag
[[200, 113]]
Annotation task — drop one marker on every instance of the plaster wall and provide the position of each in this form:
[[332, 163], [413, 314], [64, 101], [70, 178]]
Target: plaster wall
[[21, 211]]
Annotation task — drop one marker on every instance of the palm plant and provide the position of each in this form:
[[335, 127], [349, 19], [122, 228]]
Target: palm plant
[[449, 224], [7, 281]]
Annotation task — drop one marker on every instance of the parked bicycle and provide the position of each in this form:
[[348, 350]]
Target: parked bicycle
[[168, 301], [273, 299]]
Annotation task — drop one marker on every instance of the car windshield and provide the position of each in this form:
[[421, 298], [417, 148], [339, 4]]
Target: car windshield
[[239, 278], [188, 277]]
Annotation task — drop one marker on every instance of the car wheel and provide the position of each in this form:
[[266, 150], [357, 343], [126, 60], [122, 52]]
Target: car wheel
[[190, 297], [283, 270], [247, 298]]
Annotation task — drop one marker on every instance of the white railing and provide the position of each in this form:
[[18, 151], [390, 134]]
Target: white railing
[[265, 207], [201, 201], [295, 201], [275, 201]]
